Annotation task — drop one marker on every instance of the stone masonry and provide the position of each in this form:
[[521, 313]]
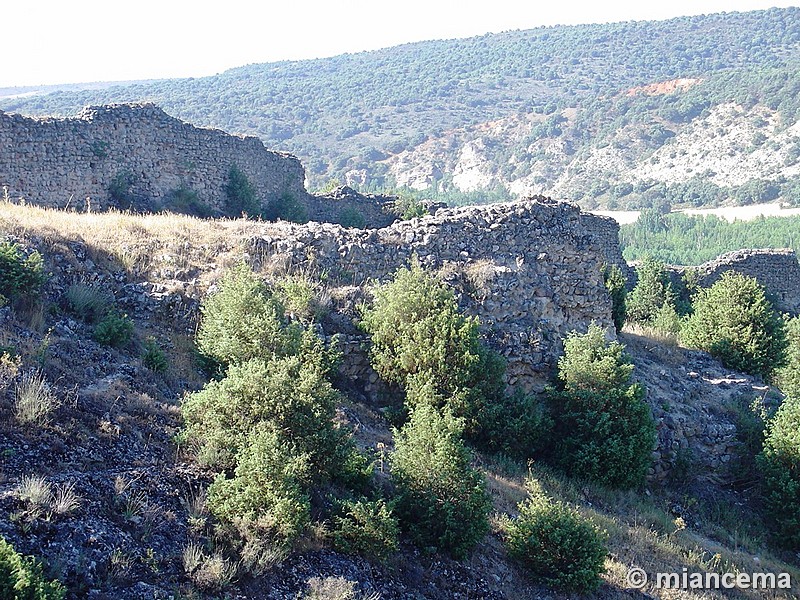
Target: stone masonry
[[55, 162], [530, 270], [777, 270]]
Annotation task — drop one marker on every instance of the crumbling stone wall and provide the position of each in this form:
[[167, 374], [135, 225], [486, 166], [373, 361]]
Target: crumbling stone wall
[[343, 203], [529, 270], [375, 211], [607, 233], [777, 270], [53, 162]]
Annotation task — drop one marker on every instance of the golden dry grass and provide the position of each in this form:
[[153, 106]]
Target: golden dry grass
[[139, 243]]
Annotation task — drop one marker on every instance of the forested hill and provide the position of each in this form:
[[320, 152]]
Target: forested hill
[[695, 109]]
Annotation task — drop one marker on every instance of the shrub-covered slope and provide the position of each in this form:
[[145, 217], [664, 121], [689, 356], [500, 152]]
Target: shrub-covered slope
[[101, 488]]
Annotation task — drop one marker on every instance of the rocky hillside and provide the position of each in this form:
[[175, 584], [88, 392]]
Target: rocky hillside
[[100, 488], [697, 110]]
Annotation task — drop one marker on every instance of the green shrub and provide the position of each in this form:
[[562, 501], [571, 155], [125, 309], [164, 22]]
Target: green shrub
[[517, 425], [290, 393], [329, 187], [184, 200], [350, 216], [21, 577], [407, 207], [242, 321], [424, 344], [653, 289], [299, 297], [120, 188], [750, 415], [88, 302], [441, 500], [780, 466], [602, 428], [113, 329], [287, 208], [265, 499], [556, 544], [354, 470], [20, 275], [241, 195], [592, 364], [787, 377], [667, 321], [615, 284], [154, 357], [687, 289], [417, 332], [734, 321], [367, 528]]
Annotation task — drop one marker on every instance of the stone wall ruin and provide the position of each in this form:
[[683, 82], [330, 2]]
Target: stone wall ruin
[[777, 270], [63, 162], [531, 271]]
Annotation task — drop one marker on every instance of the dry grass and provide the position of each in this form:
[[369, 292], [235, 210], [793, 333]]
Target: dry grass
[[120, 564], [260, 556], [193, 556], [65, 499], [34, 399], [35, 491], [652, 333], [139, 243], [479, 276], [9, 367], [89, 302], [42, 498], [334, 588], [663, 347], [208, 572], [195, 504]]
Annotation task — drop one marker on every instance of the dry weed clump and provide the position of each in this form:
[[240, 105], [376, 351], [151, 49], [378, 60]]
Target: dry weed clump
[[208, 572], [479, 276], [334, 588], [9, 367], [34, 399], [44, 499]]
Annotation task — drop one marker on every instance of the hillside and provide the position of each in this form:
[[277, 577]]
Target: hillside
[[700, 110], [134, 523]]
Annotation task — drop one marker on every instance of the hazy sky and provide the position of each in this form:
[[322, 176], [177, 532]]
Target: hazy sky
[[59, 41]]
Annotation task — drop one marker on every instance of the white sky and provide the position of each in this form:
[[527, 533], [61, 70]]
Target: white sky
[[59, 41]]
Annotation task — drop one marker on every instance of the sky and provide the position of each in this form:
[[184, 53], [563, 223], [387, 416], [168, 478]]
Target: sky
[[55, 41]]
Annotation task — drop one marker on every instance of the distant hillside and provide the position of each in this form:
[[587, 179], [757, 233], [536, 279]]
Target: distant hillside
[[697, 110]]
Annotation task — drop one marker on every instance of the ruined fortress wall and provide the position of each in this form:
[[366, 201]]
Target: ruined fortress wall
[[777, 270], [344, 205], [606, 230], [48, 161], [529, 270]]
